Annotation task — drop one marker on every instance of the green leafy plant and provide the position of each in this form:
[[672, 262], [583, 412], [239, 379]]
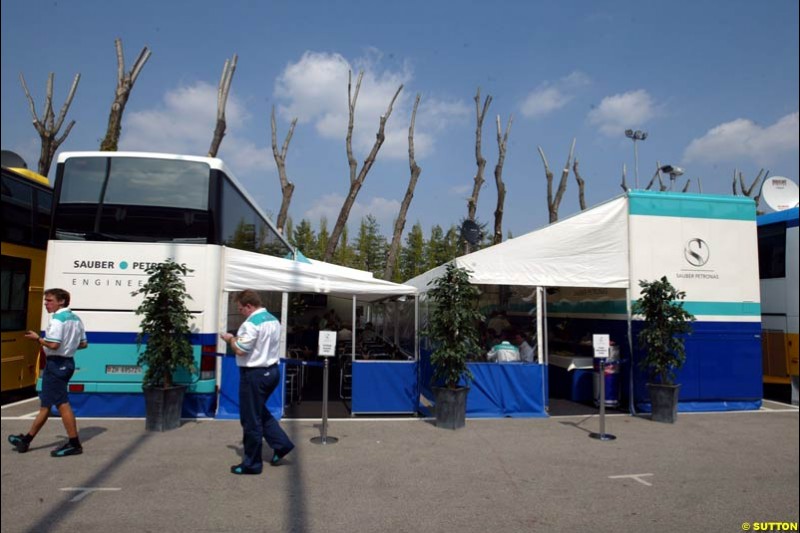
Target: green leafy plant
[[165, 324], [453, 325], [666, 321]]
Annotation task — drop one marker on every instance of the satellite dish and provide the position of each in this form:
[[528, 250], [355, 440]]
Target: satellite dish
[[779, 193], [471, 232], [12, 160]]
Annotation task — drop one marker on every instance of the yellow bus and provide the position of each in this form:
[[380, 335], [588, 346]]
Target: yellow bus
[[27, 204]]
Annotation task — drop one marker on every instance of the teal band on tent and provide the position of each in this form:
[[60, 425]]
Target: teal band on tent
[[613, 307], [664, 204], [723, 308]]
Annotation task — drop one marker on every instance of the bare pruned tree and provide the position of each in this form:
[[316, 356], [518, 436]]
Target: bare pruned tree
[[356, 181], [48, 126], [400, 223], [222, 100], [661, 185], [581, 185], [502, 144], [287, 187], [748, 191], [472, 202], [624, 183], [125, 83], [553, 202]]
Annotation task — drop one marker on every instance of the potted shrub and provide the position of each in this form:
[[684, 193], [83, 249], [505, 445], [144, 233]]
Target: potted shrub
[[165, 331], [662, 339], [452, 328]]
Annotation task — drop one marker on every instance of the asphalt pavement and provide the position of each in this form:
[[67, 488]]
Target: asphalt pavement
[[726, 472]]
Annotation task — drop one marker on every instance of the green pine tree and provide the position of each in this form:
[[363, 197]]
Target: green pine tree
[[304, 239], [412, 255]]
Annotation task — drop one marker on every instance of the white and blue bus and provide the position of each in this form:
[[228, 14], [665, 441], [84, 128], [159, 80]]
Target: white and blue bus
[[114, 214], [778, 270]]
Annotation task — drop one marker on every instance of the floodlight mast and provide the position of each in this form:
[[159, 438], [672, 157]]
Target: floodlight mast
[[637, 135]]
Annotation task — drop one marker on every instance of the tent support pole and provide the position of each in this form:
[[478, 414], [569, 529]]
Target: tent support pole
[[353, 328], [540, 339], [284, 322], [416, 327], [396, 323], [632, 406]]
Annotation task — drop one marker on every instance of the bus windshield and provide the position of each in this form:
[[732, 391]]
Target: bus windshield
[[152, 198], [133, 199]]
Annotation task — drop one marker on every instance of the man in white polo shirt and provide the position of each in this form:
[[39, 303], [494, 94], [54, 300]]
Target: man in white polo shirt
[[65, 335], [256, 346]]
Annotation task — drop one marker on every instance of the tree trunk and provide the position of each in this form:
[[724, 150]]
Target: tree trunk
[[748, 191], [287, 187], [661, 186], [502, 143], [553, 202], [581, 185], [356, 181], [48, 126], [624, 183], [222, 100], [400, 223], [124, 85], [472, 203]]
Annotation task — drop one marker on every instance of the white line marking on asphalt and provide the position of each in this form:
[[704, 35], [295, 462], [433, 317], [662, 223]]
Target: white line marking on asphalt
[[637, 477], [85, 491], [20, 402]]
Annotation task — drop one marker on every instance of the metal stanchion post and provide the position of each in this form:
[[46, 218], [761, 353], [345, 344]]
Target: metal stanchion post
[[324, 438], [602, 435]]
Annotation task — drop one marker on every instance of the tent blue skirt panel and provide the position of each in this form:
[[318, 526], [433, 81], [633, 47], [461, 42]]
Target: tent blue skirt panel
[[506, 390], [722, 371], [497, 390], [229, 392], [113, 404], [385, 387]]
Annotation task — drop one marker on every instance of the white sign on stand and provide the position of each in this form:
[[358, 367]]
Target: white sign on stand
[[327, 343], [602, 346]]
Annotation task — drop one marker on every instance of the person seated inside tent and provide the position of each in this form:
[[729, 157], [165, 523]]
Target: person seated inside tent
[[491, 338], [498, 321], [369, 334], [526, 352], [504, 352], [344, 334]]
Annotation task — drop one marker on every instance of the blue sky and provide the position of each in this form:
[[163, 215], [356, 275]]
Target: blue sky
[[714, 83]]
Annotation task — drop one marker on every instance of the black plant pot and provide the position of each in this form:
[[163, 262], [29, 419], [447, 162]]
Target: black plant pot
[[163, 407], [664, 402], [451, 407]]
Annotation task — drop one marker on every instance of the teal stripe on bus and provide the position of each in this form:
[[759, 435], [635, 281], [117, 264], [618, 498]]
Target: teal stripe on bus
[[666, 204]]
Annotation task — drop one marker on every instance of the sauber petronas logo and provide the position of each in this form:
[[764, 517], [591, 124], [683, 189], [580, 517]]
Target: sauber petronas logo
[[696, 252]]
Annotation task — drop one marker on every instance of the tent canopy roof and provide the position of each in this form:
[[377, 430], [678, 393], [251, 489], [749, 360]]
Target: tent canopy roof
[[248, 270], [589, 249]]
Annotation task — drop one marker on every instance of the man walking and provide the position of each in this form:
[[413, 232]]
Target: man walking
[[65, 335], [256, 346]]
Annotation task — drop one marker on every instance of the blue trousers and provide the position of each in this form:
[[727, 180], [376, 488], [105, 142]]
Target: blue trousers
[[255, 387], [55, 380]]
